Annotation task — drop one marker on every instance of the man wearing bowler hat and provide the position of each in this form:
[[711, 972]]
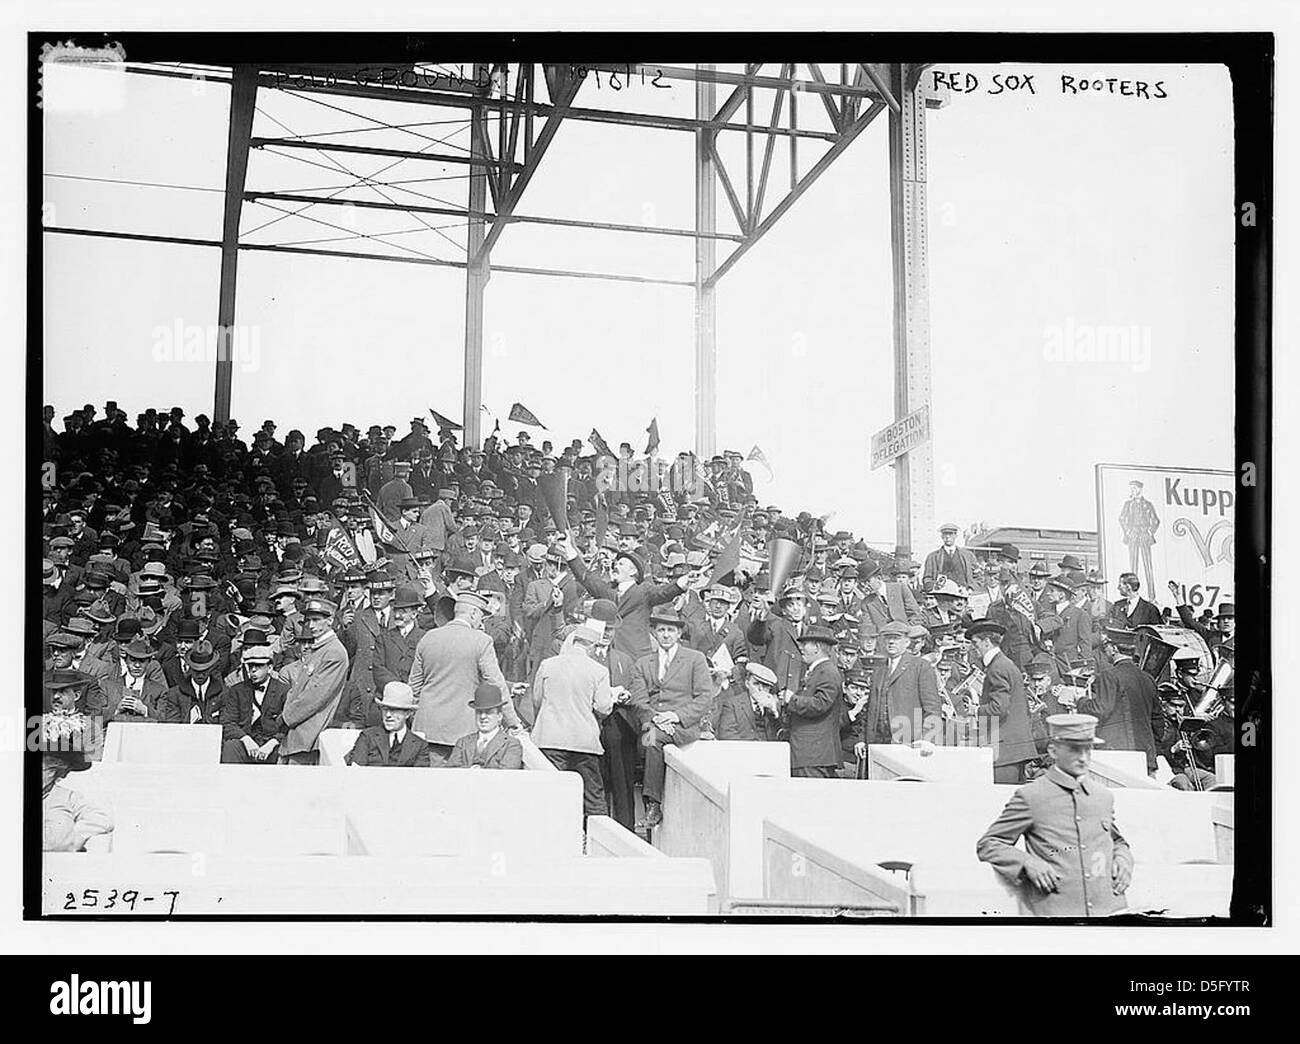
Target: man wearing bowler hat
[[1003, 708], [1075, 862], [392, 742], [489, 746], [813, 713], [196, 698]]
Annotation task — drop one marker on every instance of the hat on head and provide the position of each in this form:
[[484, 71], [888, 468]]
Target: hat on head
[[138, 648], [398, 696], [65, 640], [473, 600], [761, 672], [80, 627], [987, 628], [893, 629], [1071, 562], [1038, 667], [1039, 570], [604, 610], [462, 565], [817, 633], [1073, 728], [948, 527], [487, 696], [255, 652], [381, 581], [867, 569], [636, 561], [1009, 551], [665, 613], [1226, 610], [1063, 583], [318, 606], [408, 597], [202, 656]]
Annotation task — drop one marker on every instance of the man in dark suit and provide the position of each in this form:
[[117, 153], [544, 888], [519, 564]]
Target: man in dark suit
[[392, 743], [778, 635], [671, 690], [251, 727], [1125, 703], [813, 713], [489, 746], [631, 592], [904, 704], [362, 626], [1132, 610], [749, 712], [717, 630], [956, 563], [196, 699], [620, 732], [1002, 701], [885, 601], [133, 695], [395, 647]]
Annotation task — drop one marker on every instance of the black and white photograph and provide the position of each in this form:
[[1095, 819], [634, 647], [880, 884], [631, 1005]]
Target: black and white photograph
[[815, 478]]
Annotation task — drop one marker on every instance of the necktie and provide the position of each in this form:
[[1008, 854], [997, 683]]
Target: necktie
[[393, 743], [258, 696], [663, 665]]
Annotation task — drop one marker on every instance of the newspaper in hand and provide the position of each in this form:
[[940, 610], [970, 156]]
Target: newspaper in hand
[[722, 661]]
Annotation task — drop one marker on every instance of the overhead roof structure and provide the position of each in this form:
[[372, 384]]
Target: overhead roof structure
[[764, 133]]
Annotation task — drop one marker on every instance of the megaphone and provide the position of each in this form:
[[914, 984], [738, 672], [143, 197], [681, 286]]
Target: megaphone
[[782, 556]]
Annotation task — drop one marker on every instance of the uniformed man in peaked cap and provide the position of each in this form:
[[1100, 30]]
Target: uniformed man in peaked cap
[[1075, 862]]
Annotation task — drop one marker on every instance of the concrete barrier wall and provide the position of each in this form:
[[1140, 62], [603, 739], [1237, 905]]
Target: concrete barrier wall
[[1224, 822], [609, 839], [77, 884], [935, 764], [149, 743], [1123, 768], [335, 744]]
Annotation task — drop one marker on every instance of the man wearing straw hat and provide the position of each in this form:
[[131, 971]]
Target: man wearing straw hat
[[1075, 862]]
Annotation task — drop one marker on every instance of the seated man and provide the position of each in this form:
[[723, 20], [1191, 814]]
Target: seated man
[[751, 713], [196, 699], [490, 746], [251, 727], [392, 742]]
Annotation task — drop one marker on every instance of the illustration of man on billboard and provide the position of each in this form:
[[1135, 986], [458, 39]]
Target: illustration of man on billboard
[[1139, 522]]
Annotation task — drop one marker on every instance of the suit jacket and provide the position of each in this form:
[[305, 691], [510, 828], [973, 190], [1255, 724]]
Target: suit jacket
[[738, 720], [314, 693], [1070, 824], [571, 693], [1075, 639], [813, 716], [962, 570], [1003, 699], [504, 752], [904, 705], [114, 690], [361, 640], [1144, 612], [176, 704], [779, 639], [633, 633], [373, 748], [687, 689], [542, 619], [896, 603], [439, 521], [393, 655], [449, 662], [237, 713], [1127, 707]]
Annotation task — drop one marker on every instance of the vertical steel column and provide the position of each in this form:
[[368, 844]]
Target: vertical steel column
[[914, 471], [243, 98], [476, 275], [706, 355]]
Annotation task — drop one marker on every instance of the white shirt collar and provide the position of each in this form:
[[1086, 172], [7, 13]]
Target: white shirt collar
[[988, 656]]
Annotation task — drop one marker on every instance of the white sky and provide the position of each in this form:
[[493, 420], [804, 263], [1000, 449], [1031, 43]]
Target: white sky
[[1065, 213]]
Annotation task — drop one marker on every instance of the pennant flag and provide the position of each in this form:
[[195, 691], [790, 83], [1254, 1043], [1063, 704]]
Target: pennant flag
[[652, 446], [339, 550], [730, 557], [599, 444], [554, 489], [444, 423], [383, 528], [521, 414], [757, 454]]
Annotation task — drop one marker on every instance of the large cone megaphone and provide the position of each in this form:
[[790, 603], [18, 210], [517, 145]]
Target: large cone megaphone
[[782, 556]]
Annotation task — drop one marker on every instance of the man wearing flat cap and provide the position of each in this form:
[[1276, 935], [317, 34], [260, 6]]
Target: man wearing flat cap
[[1003, 708], [252, 728], [1075, 862], [392, 742], [956, 563], [449, 663], [904, 705]]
